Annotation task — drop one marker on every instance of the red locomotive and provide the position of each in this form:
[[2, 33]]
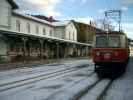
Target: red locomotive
[[110, 52]]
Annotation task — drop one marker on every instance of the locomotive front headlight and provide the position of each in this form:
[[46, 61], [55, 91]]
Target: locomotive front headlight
[[98, 53], [116, 53]]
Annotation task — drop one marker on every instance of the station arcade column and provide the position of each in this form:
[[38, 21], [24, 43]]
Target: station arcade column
[[74, 50], [24, 39], [67, 50], [41, 48], [87, 51], [57, 50]]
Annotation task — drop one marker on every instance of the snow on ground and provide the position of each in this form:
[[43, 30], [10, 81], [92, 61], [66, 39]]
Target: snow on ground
[[27, 70], [66, 85], [24, 73], [70, 92], [96, 91], [122, 88]]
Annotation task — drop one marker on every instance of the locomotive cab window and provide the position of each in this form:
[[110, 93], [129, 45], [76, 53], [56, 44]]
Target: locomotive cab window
[[101, 41], [113, 41], [108, 41], [123, 41]]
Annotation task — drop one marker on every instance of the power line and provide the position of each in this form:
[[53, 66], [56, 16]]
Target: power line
[[114, 15]]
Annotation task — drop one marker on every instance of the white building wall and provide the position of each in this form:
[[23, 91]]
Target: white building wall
[[75, 34], [59, 32], [8, 21], [3, 46], [71, 32], [33, 25], [5, 14]]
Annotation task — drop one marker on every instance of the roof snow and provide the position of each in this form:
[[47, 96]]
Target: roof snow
[[61, 23]]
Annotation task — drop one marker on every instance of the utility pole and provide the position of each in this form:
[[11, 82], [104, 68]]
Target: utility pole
[[114, 15]]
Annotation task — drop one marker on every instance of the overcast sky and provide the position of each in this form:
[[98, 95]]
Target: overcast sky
[[81, 10]]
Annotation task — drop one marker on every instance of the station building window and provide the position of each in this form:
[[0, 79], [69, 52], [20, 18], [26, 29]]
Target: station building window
[[28, 27], [44, 31], [18, 25], [50, 32], [37, 29], [73, 36], [69, 35]]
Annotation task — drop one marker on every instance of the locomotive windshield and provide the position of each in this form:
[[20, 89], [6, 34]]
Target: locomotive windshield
[[110, 41], [101, 41], [113, 41]]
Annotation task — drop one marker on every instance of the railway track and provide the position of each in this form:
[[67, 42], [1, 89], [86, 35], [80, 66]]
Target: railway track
[[103, 93], [74, 90], [97, 91], [14, 84], [94, 90]]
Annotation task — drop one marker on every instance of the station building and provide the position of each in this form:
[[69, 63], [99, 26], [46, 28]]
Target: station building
[[28, 38]]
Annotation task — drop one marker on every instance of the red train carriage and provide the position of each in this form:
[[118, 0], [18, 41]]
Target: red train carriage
[[110, 53]]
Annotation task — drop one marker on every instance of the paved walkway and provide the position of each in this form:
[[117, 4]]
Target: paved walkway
[[8, 66]]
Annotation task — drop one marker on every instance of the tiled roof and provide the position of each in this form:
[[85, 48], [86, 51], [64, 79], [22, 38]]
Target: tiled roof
[[82, 27], [50, 19], [32, 18], [54, 24]]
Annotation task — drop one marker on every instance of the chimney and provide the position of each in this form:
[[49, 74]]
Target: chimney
[[50, 19], [90, 23]]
